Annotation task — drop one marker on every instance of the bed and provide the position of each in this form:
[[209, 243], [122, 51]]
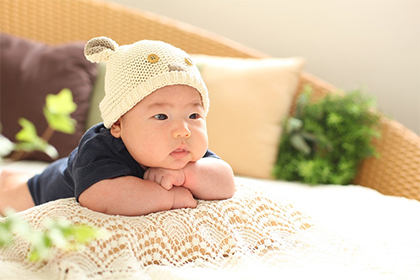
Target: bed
[[270, 228]]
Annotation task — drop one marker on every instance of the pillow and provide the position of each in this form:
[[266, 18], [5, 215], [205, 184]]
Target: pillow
[[249, 100], [31, 70], [98, 93], [215, 233]]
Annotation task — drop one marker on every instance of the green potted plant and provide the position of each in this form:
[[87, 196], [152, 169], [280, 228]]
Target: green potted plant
[[325, 141]]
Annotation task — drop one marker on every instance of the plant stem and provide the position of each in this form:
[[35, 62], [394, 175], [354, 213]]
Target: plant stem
[[20, 155], [47, 134]]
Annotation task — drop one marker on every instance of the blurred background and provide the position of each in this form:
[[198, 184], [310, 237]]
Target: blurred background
[[352, 44]]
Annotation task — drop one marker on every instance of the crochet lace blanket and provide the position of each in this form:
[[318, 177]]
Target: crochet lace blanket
[[253, 234]]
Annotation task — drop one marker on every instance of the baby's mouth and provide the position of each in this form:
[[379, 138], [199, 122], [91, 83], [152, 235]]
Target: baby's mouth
[[180, 153]]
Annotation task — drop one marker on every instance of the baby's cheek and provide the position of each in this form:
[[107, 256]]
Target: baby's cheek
[[141, 155]]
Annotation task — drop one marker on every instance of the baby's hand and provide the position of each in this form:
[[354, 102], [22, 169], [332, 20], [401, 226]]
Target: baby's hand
[[183, 198], [167, 178]]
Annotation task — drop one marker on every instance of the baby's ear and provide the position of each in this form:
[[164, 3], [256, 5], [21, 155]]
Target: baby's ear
[[100, 49], [115, 129]]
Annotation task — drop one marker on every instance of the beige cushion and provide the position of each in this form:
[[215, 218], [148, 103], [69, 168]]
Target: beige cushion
[[249, 100]]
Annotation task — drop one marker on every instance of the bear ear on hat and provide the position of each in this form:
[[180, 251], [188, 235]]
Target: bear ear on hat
[[100, 49]]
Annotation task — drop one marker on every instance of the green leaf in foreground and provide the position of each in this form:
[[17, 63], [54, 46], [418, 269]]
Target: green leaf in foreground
[[57, 110], [59, 234]]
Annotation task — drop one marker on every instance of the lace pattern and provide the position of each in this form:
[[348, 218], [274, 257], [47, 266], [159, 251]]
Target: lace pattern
[[239, 236]]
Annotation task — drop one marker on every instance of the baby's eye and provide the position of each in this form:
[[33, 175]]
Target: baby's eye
[[195, 116], [160, 117]]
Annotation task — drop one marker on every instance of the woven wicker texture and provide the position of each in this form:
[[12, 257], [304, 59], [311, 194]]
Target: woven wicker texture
[[58, 21], [396, 172]]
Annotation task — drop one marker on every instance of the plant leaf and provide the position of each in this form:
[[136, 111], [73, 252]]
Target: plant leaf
[[51, 151], [84, 234], [28, 132], [309, 136], [334, 119], [61, 103], [57, 110], [303, 100], [63, 123], [299, 143], [30, 141], [5, 234], [293, 125]]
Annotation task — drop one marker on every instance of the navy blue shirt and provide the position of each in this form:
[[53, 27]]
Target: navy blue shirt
[[99, 156]]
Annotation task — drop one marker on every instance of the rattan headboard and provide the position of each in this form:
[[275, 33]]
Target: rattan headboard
[[59, 21]]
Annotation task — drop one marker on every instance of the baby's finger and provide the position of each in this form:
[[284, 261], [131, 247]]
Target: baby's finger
[[148, 175], [166, 182]]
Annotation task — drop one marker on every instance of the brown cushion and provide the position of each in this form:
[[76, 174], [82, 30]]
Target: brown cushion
[[31, 70]]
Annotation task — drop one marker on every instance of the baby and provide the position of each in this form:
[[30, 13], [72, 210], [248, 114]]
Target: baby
[[151, 151]]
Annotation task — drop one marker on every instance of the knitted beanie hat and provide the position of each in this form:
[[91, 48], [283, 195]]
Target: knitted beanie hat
[[135, 71]]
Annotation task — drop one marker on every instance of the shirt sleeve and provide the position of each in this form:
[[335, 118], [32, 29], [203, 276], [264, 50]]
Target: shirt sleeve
[[210, 154], [98, 160]]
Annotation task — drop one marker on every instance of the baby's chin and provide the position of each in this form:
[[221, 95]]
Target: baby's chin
[[178, 165], [172, 166], [171, 162]]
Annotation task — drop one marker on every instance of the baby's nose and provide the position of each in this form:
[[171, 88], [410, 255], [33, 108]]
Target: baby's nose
[[181, 131]]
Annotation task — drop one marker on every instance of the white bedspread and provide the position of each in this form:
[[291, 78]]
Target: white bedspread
[[352, 233]]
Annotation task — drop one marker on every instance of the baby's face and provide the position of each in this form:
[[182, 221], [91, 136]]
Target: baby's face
[[166, 129]]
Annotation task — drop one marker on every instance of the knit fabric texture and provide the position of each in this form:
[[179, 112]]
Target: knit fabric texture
[[135, 71]]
